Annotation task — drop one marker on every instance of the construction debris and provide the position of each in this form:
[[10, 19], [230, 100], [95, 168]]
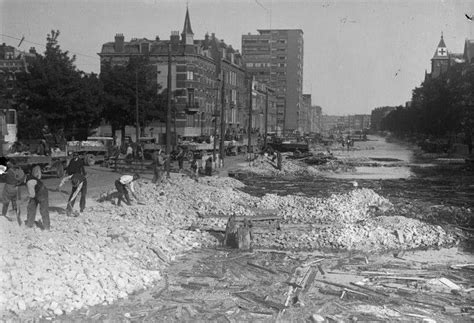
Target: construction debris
[[110, 252]]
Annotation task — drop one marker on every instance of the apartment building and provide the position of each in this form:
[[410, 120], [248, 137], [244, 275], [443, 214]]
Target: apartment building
[[198, 69], [275, 57]]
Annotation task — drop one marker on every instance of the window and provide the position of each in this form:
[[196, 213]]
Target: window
[[191, 97], [189, 75]]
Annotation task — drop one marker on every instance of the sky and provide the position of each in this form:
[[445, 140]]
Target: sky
[[358, 55]]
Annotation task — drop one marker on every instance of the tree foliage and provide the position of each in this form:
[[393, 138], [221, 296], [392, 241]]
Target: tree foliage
[[440, 107], [54, 93], [122, 85]]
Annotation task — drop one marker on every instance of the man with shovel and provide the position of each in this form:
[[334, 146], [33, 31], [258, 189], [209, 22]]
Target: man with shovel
[[79, 184], [121, 185], [77, 176]]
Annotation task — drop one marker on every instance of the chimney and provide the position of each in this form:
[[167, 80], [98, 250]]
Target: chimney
[[32, 50], [174, 37], [119, 43]]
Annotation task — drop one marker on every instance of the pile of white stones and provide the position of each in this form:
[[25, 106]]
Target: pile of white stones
[[109, 251]]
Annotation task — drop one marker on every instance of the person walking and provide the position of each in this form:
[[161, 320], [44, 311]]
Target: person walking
[[13, 178], [121, 184], [38, 195]]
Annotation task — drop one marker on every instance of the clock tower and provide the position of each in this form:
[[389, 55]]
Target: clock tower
[[440, 60]]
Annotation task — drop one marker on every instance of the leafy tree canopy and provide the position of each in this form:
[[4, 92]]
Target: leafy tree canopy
[[54, 93]]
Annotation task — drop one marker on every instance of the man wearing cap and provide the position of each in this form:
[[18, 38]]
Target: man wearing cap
[[121, 185]]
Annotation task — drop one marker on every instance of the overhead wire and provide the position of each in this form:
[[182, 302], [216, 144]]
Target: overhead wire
[[23, 39]]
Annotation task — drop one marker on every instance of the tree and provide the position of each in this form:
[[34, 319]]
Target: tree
[[120, 84], [54, 93]]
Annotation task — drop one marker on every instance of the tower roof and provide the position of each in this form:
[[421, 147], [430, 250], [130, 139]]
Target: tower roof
[[441, 51], [187, 24]]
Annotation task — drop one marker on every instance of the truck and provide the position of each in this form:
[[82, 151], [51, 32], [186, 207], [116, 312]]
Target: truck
[[25, 155], [95, 150]]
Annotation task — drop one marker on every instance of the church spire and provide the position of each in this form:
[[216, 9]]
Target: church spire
[[187, 34], [441, 50]]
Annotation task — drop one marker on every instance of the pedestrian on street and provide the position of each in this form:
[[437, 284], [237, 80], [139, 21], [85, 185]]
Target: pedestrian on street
[[180, 158], [194, 168], [158, 166], [13, 178], [279, 160], [208, 168], [79, 185], [121, 185], [38, 194], [129, 154]]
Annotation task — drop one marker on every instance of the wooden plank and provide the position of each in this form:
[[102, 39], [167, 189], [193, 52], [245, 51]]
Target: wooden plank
[[261, 267]]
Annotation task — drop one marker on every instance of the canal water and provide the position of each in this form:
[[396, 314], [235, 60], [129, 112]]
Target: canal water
[[388, 168], [376, 159]]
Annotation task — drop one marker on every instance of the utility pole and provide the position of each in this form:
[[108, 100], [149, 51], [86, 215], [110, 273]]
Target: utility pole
[[215, 123], [249, 145], [168, 116], [266, 119], [221, 147], [137, 128]]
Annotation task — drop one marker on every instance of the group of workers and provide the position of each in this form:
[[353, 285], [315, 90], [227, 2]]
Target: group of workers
[[38, 192]]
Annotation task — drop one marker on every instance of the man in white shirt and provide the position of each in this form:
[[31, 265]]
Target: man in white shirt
[[121, 185]]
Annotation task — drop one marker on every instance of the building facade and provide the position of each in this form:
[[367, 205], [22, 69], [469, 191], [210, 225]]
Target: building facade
[[263, 106], [275, 57], [315, 117], [198, 70], [304, 121]]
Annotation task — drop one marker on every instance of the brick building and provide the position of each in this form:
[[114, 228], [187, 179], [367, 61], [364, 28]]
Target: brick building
[[197, 71]]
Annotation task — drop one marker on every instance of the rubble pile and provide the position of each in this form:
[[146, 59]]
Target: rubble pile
[[109, 251], [265, 167], [352, 221], [339, 208], [104, 254]]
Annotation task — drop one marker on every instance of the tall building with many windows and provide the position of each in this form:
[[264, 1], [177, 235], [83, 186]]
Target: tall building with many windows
[[198, 69], [275, 57]]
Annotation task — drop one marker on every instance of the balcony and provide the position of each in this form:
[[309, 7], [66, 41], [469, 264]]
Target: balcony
[[192, 108]]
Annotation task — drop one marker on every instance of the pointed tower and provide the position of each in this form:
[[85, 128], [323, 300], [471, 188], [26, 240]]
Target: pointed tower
[[187, 34], [440, 60]]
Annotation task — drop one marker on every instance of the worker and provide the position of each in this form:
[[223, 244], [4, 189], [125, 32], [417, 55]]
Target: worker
[[121, 185], [159, 161], [129, 154], [208, 167], [77, 175], [194, 168], [180, 158], [279, 160], [38, 194], [76, 165], [13, 178], [79, 185]]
